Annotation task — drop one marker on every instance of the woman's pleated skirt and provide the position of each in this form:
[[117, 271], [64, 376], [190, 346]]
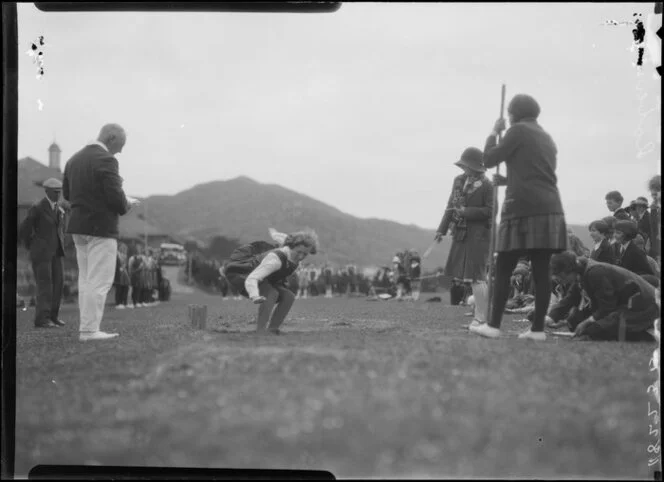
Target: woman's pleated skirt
[[544, 231]]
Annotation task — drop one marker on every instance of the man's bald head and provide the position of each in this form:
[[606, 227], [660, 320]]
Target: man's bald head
[[113, 136]]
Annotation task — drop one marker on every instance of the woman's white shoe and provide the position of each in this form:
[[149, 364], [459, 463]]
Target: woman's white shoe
[[485, 330], [533, 335]]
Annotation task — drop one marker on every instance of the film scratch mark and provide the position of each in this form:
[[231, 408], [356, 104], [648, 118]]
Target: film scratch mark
[[639, 35], [37, 53]]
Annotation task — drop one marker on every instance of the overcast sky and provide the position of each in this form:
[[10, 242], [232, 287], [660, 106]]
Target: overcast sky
[[365, 109]]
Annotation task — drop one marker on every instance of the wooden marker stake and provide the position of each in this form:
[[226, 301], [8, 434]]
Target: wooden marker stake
[[198, 316]]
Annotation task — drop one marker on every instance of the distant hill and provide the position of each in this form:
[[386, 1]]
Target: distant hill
[[244, 209]]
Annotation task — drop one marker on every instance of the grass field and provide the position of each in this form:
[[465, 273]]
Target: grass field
[[359, 388]]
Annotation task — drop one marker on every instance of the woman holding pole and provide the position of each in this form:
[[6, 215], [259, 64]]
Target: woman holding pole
[[532, 219], [468, 218]]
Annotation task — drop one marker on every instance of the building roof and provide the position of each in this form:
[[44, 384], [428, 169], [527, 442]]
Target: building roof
[[32, 173], [54, 147]]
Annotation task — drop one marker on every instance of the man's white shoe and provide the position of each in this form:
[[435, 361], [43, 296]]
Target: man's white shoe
[[96, 335], [120, 307], [131, 307], [475, 323], [485, 330], [533, 335]]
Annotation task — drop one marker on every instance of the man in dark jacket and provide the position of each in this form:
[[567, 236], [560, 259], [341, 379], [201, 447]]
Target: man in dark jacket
[[93, 186], [42, 234]]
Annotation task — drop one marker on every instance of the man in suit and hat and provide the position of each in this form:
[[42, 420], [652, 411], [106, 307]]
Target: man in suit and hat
[[42, 233]]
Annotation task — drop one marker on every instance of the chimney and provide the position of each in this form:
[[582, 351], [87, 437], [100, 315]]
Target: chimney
[[54, 156]]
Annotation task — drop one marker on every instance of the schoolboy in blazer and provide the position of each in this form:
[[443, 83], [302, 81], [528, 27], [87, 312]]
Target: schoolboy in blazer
[[602, 250], [631, 256]]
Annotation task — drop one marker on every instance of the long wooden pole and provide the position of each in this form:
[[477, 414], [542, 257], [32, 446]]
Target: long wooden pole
[[494, 227], [145, 225]]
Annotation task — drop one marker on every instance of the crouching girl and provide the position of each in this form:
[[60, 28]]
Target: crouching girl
[[609, 296], [266, 284]]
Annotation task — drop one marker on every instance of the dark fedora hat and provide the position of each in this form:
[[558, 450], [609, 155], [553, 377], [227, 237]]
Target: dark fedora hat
[[472, 158]]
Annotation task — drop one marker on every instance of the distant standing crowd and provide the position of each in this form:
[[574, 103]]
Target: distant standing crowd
[[142, 274]]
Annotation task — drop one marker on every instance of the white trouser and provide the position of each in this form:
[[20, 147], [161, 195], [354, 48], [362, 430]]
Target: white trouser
[[96, 259], [481, 295]]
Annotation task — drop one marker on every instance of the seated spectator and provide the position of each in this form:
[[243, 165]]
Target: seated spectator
[[602, 250], [609, 296], [631, 257], [631, 210], [575, 244], [638, 242], [457, 292], [615, 246], [564, 310], [654, 265], [521, 298], [642, 219], [614, 202], [655, 188]]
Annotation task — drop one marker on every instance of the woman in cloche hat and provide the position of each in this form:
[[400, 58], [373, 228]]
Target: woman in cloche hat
[[468, 220]]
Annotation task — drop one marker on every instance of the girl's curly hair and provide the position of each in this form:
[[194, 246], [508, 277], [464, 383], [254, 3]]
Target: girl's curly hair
[[307, 237]]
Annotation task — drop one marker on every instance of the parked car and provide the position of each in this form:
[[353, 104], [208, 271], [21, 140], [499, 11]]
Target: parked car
[[173, 254]]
